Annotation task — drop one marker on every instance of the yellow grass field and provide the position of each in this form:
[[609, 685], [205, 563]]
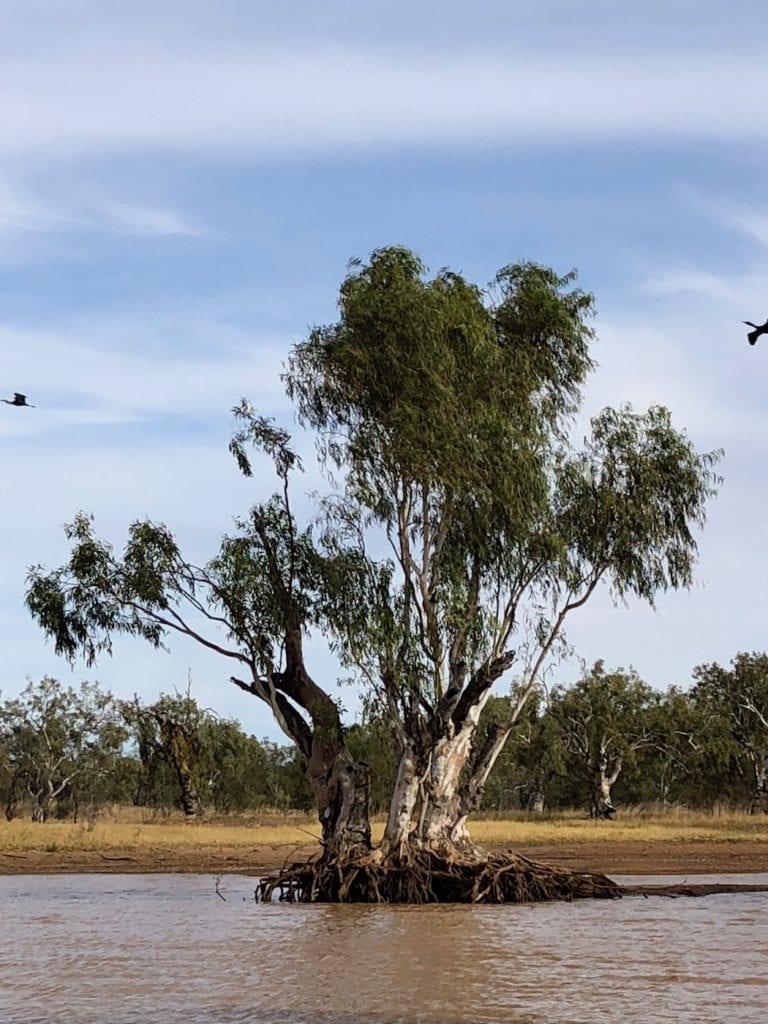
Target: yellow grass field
[[127, 829]]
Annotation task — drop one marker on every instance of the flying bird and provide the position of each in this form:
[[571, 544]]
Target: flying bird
[[759, 329], [17, 400]]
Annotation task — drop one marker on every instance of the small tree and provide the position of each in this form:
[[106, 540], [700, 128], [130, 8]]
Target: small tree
[[603, 722], [55, 737]]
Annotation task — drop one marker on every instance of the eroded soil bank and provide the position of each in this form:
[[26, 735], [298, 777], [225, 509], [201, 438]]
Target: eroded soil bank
[[622, 857]]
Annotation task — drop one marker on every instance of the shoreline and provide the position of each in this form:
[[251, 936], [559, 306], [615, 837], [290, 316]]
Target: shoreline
[[605, 856]]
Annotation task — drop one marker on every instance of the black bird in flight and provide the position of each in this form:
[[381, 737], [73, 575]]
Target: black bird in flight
[[759, 329], [17, 400]]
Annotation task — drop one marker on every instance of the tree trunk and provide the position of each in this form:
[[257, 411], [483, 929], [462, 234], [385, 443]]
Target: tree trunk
[[443, 826], [601, 805], [41, 805], [431, 861], [537, 801], [400, 821], [179, 752], [340, 786], [759, 803], [13, 797], [450, 801]]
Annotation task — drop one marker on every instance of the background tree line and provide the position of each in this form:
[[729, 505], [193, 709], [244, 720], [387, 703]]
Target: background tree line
[[607, 740], [67, 751]]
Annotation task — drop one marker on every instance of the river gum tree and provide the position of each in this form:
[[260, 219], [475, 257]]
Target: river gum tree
[[604, 721], [460, 531]]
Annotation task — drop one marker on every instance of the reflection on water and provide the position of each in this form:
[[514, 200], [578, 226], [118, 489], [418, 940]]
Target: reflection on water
[[145, 949]]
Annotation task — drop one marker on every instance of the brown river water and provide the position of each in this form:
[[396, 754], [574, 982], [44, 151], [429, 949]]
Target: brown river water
[[165, 949]]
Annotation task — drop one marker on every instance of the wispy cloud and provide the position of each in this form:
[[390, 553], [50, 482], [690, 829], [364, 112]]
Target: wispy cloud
[[729, 297], [149, 221], [747, 218], [21, 211]]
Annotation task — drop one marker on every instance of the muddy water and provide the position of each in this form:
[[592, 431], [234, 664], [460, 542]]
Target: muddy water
[[165, 949]]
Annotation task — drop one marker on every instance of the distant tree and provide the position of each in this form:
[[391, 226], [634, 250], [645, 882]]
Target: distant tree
[[233, 767], [669, 768], [442, 414], [603, 721], [55, 737], [736, 703], [191, 758], [524, 775], [285, 784], [9, 780], [372, 740], [167, 730], [192, 742]]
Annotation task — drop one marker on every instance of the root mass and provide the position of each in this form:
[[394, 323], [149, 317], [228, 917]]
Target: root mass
[[428, 877]]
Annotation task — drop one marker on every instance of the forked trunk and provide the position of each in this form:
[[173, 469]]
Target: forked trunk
[[443, 825], [601, 805], [41, 805], [456, 781], [537, 802]]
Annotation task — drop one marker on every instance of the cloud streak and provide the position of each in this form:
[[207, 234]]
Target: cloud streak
[[268, 102], [149, 221]]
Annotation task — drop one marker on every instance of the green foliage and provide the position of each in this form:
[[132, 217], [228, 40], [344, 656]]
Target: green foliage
[[631, 500], [734, 704], [374, 741]]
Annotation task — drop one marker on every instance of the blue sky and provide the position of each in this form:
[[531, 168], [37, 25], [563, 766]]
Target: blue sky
[[182, 184]]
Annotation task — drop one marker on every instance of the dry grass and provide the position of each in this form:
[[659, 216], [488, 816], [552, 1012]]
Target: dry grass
[[671, 826], [131, 829], [134, 829]]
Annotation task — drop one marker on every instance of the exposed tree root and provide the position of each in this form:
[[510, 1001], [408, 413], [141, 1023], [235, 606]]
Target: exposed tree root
[[693, 889], [428, 877]]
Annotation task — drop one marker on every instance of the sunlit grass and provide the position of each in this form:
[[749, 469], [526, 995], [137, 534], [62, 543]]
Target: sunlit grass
[[129, 829]]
